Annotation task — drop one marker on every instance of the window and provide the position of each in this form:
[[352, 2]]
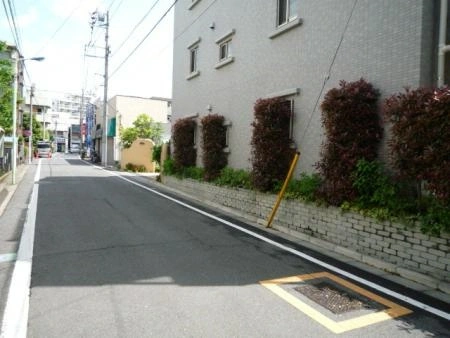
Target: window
[[193, 62], [224, 50], [287, 11], [227, 125], [193, 59], [224, 44]]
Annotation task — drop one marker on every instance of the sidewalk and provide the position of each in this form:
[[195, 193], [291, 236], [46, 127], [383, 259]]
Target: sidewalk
[[7, 189], [13, 207]]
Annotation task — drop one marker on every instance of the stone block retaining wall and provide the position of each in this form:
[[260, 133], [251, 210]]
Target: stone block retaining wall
[[390, 246]]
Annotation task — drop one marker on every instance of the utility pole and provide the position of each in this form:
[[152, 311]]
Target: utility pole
[[81, 121], [103, 17], [15, 58], [30, 137], [105, 94]]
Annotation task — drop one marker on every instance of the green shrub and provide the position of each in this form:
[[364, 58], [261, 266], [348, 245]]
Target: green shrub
[[379, 195], [169, 167], [140, 168], [195, 173], [156, 155], [135, 167], [230, 177], [374, 187], [305, 188], [436, 218]]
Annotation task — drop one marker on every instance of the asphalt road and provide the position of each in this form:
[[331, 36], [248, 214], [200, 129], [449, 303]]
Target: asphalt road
[[114, 258]]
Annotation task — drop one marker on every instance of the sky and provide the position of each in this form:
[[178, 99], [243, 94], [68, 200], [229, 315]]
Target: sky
[[60, 31]]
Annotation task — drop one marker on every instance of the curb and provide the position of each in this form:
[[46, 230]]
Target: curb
[[7, 189]]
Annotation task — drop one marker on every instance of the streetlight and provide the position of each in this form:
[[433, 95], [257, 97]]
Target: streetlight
[[14, 110]]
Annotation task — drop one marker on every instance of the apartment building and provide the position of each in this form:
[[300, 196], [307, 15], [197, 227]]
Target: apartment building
[[230, 53]]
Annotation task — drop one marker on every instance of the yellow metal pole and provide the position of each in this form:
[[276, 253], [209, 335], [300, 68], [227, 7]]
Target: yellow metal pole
[[283, 189]]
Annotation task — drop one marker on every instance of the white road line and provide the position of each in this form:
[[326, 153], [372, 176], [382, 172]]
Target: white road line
[[314, 260], [15, 319]]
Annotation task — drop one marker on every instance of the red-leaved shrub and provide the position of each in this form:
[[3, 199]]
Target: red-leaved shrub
[[183, 136], [271, 145], [420, 143], [213, 143], [353, 132]]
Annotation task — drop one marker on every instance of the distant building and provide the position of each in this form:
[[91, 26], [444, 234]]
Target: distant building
[[66, 110], [122, 112]]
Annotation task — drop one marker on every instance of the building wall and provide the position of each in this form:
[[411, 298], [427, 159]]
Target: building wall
[[139, 154], [127, 109], [389, 43]]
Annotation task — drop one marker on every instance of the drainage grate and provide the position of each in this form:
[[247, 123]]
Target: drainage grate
[[336, 298]]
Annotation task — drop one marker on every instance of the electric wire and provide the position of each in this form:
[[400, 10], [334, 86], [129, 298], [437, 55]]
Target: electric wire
[[10, 24], [135, 27], [142, 41], [60, 27], [16, 30], [112, 13], [329, 71]]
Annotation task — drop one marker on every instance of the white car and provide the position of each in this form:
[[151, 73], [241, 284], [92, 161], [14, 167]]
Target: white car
[[75, 149]]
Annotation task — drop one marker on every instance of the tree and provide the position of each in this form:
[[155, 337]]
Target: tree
[[143, 127], [6, 91], [37, 130]]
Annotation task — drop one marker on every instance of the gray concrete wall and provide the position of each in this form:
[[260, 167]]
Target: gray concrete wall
[[389, 43]]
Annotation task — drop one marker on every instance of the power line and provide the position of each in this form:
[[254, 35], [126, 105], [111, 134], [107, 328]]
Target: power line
[[135, 27], [61, 26], [8, 16], [13, 15], [145, 37], [117, 8], [329, 70]]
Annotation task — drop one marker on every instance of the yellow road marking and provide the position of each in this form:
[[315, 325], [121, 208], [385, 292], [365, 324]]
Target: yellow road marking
[[393, 310]]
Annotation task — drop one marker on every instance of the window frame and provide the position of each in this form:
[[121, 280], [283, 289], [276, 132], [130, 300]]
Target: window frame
[[224, 45], [225, 40], [288, 8], [193, 58], [193, 49]]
